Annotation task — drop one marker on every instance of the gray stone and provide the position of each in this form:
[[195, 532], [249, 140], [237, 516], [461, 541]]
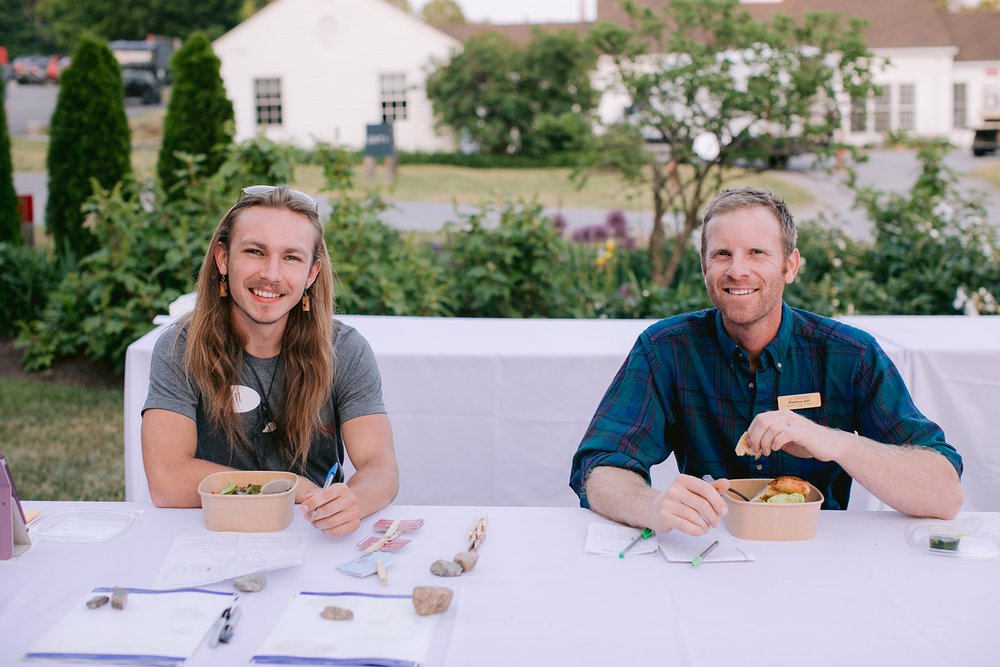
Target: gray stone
[[98, 601], [337, 614], [118, 597], [429, 600], [446, 568], [251, 583], [467, 560]]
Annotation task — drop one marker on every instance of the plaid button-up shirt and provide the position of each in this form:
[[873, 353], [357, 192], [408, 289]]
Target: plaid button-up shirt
[[687, 388]]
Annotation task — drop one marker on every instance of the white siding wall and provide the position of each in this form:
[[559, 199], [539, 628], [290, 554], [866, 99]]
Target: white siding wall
[[982, 79], [329, 55]]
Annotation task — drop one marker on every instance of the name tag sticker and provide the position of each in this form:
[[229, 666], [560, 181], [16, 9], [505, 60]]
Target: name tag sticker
[[799, 401]]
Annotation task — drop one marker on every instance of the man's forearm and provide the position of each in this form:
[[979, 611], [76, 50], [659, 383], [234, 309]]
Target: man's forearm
[[620, 495], [375, 486], [177, 485], [913, 480]]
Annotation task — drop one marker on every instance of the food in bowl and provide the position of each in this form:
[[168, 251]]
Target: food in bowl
[[247, 512], [234, 489], [784, 489], [761, 520]]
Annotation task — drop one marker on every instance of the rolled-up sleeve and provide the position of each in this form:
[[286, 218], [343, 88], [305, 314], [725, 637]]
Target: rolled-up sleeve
[[627, 431]]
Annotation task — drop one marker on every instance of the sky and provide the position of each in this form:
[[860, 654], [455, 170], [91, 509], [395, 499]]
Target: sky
[[522, 11]]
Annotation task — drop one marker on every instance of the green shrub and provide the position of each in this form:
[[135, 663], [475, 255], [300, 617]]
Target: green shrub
[[199, 118], [487, 161], [26, 277], [508, 269], [10, 220], [88, 143]]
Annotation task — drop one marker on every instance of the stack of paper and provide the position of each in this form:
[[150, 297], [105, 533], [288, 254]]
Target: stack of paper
[[385, 630], [156, 627]]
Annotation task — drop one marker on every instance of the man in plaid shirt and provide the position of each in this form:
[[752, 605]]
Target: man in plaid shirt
[[816, 398]]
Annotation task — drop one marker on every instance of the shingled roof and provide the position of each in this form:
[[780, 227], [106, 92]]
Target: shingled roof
[[519, 33], [891, 23], [977, 34]]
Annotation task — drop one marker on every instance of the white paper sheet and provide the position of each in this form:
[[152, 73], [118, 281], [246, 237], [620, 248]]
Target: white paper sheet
[[195, 560], [685, 552], [385, 630], [155, 628], [609, 539]]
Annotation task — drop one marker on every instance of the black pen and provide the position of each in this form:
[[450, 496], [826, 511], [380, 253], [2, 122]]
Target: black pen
[[222, 631]]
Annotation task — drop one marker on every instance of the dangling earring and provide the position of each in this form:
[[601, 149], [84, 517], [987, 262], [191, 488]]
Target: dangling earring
[[305, 301], [223, 286]]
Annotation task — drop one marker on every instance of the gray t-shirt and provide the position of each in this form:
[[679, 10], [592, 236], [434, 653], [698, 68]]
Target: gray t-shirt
[[357, 391]]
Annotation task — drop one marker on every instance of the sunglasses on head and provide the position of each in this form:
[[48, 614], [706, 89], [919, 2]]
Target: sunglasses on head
[[268, 189]]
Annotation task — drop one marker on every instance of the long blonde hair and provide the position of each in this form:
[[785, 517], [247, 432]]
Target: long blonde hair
[[214, 351]]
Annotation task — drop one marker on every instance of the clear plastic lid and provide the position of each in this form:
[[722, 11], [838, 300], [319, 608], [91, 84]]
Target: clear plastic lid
[[961, 538], [83, 525]]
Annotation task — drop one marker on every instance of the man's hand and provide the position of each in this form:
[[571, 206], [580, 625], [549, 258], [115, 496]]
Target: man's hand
[[334, 510], [689, 505], [785, 430]]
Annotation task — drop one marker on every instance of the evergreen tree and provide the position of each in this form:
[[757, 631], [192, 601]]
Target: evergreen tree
[[199, 115], [89, 138], [10, 221]]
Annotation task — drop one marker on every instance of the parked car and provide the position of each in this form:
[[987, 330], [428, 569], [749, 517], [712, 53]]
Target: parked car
[[141, 83], [31, 69], [986, 139]]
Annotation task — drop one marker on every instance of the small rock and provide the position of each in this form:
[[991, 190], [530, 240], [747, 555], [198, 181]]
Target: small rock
[[429, 600], [251, 583], [118, 597], [98, 601], [467, 560], [446, 568], [337, 614]]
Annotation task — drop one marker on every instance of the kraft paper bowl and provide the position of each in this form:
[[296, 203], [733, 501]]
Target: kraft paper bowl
[[247, 514], [767, 521]]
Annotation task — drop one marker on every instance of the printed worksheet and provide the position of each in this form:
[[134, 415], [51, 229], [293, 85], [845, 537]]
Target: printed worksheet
[[196, 560], [608, 539]]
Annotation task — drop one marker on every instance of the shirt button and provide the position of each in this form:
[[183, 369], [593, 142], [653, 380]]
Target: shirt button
[[750, 385], [779, 364], [760, 467]]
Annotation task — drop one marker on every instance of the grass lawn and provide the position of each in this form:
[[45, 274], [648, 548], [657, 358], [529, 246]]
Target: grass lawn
[[990, 172], [63, 443]]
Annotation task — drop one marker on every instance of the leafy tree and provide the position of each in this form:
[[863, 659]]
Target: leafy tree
[[504, 97], [705, 73], [10, 221], [199, 115], [89, 142], [402, 4], [439, 12], [111, 19], [21, 30]]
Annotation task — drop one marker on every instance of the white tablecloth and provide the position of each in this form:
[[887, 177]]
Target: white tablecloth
[[855, 595], [490, 411]]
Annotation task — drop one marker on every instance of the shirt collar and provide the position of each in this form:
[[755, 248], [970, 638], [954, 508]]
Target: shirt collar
[[775, 352]]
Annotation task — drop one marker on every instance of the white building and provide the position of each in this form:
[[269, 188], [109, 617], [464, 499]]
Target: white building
[[305, 70]]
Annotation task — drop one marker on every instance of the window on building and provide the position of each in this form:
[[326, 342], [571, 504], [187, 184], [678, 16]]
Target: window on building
[[267, 101], [859, 115], [883, 109], [392, 96], [907, 106], [959, 105]]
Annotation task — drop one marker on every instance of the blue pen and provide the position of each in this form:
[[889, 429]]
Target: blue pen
[[332, 475]]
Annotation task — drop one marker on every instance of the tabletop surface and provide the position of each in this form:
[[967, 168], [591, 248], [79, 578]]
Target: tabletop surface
[[857, 594]]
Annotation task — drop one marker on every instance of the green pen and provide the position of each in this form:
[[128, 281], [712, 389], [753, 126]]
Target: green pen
[[697, 559], [644, 535]]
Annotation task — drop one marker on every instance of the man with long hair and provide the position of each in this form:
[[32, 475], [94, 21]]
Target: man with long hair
[[260, 377]]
